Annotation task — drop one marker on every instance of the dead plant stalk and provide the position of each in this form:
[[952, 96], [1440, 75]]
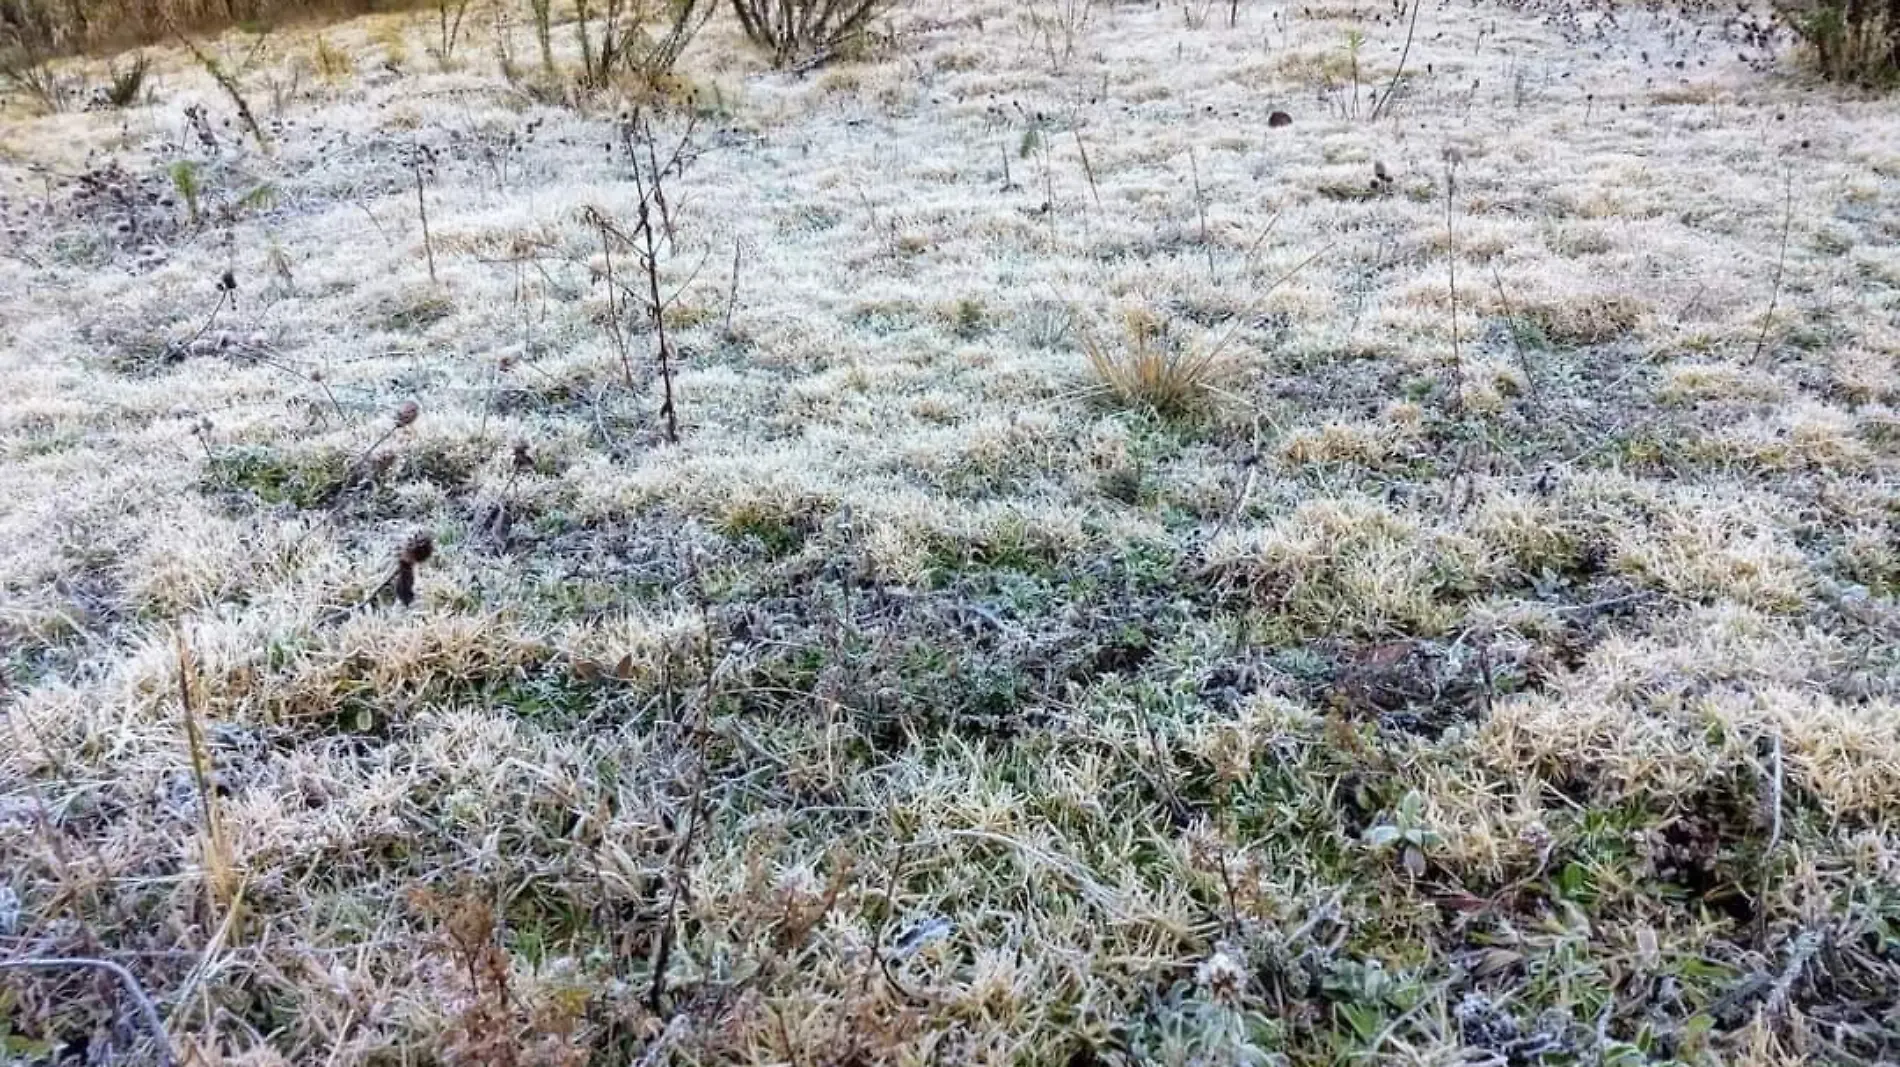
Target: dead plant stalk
[[1517, 342], [1088, 171], [668, 410], [649, 179], [1200, 205], [228, 85], [417, 157], [1451, 274], [1392, 88], [1781, 263], [220, 873]]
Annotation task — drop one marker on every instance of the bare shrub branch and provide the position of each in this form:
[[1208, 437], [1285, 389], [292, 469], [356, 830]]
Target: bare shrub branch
[[805, 33]]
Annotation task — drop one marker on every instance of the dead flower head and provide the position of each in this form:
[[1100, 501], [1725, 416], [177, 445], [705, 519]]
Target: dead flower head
[[418, 548]]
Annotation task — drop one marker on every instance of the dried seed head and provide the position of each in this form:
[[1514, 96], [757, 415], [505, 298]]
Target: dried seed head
[[417, 549], [522, 460], [406, 412], [1223, 976], [507, 364]]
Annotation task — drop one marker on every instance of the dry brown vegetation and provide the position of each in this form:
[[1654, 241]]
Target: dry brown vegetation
[[1850, 40], [999, 550]]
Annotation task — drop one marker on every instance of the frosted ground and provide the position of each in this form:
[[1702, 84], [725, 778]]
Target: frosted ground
[[1498, 660]]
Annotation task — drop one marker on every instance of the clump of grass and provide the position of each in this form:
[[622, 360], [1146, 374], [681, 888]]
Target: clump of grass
[[26, 69], [1368, 444], [123, 85], [389, 34], [412, 311], [332, 63], [1349, 565], [221, 874], [490, 1023], [184, 175], [778, 531], [1148, 370], [304, 480], [1582, 319]]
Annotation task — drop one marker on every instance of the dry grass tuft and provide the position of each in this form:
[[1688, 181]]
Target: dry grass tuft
[[1349, 565], [1582, 319], [1149, 369]]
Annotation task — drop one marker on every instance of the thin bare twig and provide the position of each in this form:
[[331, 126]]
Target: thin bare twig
[[663, 949], [884, 959], [1451, 268], [1517, 343], [1781, 262], [1596, 606], [1200, 204], [1088, 171], [1486, 682], [364, 208], [1392, 88], [732, 294], [614, 333], [224, 295], [416, 155]]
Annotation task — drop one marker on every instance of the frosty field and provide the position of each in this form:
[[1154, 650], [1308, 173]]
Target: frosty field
[[1135, 583]]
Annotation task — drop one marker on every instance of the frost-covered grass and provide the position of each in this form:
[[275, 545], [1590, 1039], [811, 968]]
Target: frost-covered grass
[[1472, 664]]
